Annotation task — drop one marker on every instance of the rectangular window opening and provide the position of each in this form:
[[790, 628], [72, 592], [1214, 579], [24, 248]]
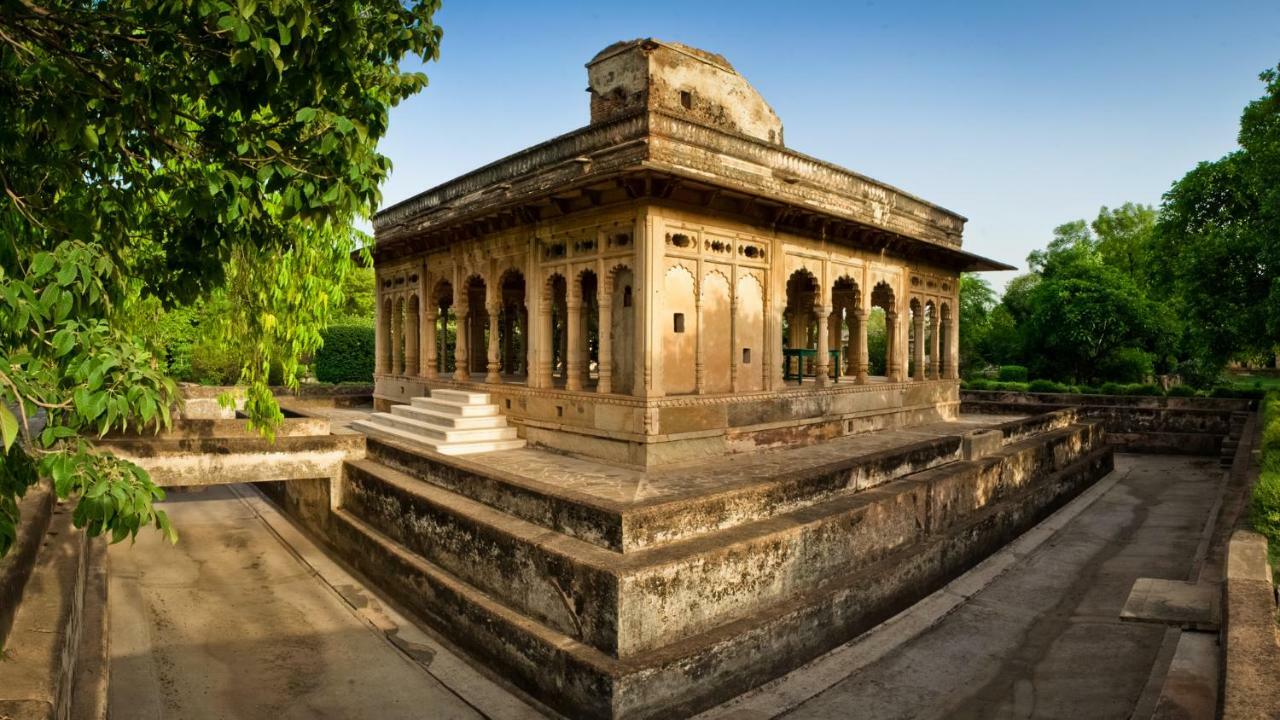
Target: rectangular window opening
[[679, 322], [746, 356]]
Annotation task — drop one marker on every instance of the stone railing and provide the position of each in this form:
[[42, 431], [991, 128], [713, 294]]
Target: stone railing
[[565, 147]]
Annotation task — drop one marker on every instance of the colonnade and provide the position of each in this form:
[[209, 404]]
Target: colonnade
[[842, 324], [584, 330]]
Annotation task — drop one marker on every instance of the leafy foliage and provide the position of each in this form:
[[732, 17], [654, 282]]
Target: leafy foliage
[[1218, 240], [1264, 506], [159, 153], [1013, 373], [347, 354], [977, 300], [68, 371]]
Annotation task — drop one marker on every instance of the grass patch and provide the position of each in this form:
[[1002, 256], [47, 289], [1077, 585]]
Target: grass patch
[[1264, 505]]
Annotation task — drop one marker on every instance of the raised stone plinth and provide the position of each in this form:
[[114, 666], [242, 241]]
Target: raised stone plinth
[[613, 592]]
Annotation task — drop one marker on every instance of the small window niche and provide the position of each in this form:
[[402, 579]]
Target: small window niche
[[746, 356], [686, 99], [626, 296], [679, 322]]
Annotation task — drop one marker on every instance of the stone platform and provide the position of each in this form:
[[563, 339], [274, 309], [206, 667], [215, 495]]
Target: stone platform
[[611, 592]]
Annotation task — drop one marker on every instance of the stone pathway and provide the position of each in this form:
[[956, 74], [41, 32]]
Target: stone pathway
[[1042, 638], [234, 623]]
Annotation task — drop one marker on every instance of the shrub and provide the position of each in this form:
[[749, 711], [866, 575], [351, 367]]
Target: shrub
[[978, 385], [1223, 391], [1047, 386], [1143, 390], [347, 354], [1264, 506], [1271, 433], [1009, 386], [1127, 365], [1181, 391], [1111, 388], [1013, 373], [1088, 390]]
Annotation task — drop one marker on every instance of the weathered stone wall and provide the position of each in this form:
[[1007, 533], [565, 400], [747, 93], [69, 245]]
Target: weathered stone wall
[[192, 460], [714, 593], [1194, 426], [702, 86], [53, 624]]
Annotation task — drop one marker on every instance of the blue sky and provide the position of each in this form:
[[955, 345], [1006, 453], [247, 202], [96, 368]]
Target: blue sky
[[1018, 115]]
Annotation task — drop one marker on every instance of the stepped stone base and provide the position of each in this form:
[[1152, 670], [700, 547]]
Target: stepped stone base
[[623, 594]]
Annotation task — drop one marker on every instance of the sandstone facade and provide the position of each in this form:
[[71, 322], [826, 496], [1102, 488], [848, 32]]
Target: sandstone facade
[[670, 282]]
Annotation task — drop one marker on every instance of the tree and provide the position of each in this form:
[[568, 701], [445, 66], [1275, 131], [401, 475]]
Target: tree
[[166, 152], [1125, 235], [1088, 315], [1069, 240], [977, 300], [1218, 240]]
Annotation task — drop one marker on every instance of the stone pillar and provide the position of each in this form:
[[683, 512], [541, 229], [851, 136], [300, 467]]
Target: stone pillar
[[735, 354], [833, 336], [917, 322], [412, 336], [493, 369], [573, 340], [952, 330], [429, 320], [699, 358], [935, 358], [462, 337], [546, 356], [381, 339], [605, 309], [822, 364], [851, 345], [562, 312], [861, 362], [522, 355], [397, 338], [892, 361]]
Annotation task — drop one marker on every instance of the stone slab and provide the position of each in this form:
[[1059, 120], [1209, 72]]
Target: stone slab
[[1189, 605], [977, 444], [1190, 690]]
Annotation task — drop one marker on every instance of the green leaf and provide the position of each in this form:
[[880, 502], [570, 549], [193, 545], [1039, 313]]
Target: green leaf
[[41, 264], [63, 341], [8, 426]]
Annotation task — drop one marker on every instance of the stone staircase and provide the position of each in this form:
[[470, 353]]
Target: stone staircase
[[449, 422], [1232, 439]]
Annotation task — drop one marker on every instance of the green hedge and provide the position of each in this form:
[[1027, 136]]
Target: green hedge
[[1013, 373], [1047, 386], [347, 354]]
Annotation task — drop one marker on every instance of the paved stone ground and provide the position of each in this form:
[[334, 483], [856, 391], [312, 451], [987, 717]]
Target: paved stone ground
[[232, 623], [245, 618], [1042, 638]]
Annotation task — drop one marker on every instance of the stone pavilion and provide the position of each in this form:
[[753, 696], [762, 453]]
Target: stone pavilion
[[671, 282]]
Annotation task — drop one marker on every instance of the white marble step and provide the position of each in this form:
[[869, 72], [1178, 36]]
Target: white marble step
[[446, 434], [454, 408], [449, 420], [444, 448], [461, 396]]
